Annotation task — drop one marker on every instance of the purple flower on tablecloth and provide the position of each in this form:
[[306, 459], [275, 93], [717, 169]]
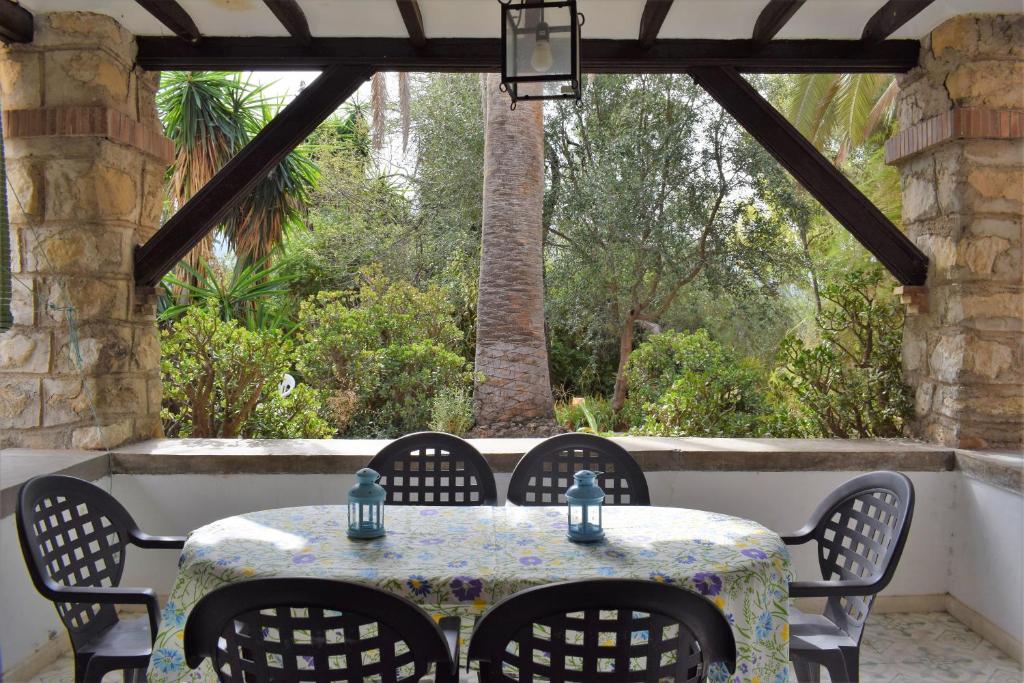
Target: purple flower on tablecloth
[[225, 561], [428, 512], [686, 559], [755, 553], [432, 541], [491, 546], [455, 564], [530, 560], [418, 584], [167, 660], [466, 588], [560, 525], [553, 513], [744, 668], [392, 555], [659, 577], [524, 541], [304, 558], [707, 583], [764, 626]]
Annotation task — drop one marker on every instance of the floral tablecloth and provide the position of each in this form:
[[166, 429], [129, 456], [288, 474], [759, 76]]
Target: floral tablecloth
[[458, 560]]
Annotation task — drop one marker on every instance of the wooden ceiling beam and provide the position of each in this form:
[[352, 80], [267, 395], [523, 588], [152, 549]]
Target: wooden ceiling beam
[[815, 173], [888, 20], [652, 19], [292, 18], [173, 16], [413, 18], [16, 23], [773, 17], [210, 205], [484, 54]]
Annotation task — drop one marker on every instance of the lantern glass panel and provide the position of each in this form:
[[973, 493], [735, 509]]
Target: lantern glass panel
[[541, 49]]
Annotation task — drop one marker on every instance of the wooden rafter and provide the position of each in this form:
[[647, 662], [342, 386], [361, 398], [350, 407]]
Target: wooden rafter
[[413, 19], [652, 19], [16, 23], [773, 17], [815, 173], [890, 18], [292, 18], [173, 16], [208, 207], [484, 54]]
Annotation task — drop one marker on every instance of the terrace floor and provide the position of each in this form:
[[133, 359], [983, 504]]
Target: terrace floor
[[897, 648]]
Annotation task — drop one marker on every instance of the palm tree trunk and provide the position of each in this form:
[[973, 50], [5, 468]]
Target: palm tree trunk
[[513, 393]]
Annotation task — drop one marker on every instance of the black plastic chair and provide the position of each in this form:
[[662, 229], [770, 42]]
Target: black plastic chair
[[318, 630], [542, 476], [434, 468], [606, 630], [861, 529], [74, 535]]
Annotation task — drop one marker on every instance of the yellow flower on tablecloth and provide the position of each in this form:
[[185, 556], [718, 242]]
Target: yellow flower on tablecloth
[[437, 617], [479, 603], [248, 571], [719, 602], [785, 631], [755, 679]]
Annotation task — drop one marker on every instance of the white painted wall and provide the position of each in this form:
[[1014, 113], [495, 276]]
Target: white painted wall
[[966, 537], [988, 553]]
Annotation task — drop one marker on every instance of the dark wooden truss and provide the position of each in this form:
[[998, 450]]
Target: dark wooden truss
[[347, 62]]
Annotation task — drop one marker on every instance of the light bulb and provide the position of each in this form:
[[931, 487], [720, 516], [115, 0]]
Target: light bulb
[[541, 59]]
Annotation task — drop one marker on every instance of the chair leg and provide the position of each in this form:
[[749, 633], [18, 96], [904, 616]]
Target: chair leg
[[134, 676], [846, 668], [81, 668], [807, 672]]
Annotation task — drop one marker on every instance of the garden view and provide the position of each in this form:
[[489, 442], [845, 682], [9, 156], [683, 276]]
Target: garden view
[[690, 286]]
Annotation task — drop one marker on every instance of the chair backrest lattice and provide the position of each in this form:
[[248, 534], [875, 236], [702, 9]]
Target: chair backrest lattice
[[861, 537], [604, 631], [542, 476], [314, 630], [74, 534], [433, 468]]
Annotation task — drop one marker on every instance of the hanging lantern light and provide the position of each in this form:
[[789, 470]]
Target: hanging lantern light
[[585, 499], [366, 506], [540, 44]]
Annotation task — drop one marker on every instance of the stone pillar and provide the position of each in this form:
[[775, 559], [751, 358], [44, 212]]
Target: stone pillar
[[86, 159], [960, 153]]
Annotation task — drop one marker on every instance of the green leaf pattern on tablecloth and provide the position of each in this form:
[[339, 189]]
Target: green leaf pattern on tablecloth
[[457, 561]]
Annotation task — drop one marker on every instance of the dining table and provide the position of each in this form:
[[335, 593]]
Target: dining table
[[457, 561]]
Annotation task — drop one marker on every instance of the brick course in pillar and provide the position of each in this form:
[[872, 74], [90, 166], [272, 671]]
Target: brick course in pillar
[[960, 154], [86, 159]]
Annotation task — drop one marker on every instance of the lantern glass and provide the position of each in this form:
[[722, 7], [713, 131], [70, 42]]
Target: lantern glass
[[366, 506], [541, 47], [584, 500]]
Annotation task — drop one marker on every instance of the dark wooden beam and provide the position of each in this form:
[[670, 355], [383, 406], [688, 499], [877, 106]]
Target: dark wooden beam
[[292, 18], [208, 207], [413, 19], [16, 23], [173, 16], [890, 18], [484, 54], [773, 17], [816, 173], [651, 20]]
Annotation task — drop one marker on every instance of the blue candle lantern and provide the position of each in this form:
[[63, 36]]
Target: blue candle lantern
[[585, 499], [366, 506]]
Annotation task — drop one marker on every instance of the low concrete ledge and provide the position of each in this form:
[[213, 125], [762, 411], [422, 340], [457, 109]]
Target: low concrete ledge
[[998, 468], [18, 465], [328, 456]]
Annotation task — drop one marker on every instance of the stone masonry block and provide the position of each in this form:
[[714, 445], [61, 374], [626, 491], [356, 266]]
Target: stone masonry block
[[91, 190], [68, 30], [19, 403], [88, 77], [21, 78], [25, 350]]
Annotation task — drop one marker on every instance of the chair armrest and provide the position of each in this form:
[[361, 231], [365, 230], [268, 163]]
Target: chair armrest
[[111, 596], [450, 627], [799, 537], [832, 589], [144, 540]]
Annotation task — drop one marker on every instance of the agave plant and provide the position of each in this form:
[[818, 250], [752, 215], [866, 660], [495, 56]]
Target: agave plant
[[249, 293]]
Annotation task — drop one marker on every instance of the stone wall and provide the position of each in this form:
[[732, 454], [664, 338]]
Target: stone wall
[[960, 153], [85, 159]]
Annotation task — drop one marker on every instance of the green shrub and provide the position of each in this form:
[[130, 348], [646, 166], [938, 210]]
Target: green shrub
[[382, 354], [220, 380], [592, 414], [452, 411], [689, 385], [850, 384]]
